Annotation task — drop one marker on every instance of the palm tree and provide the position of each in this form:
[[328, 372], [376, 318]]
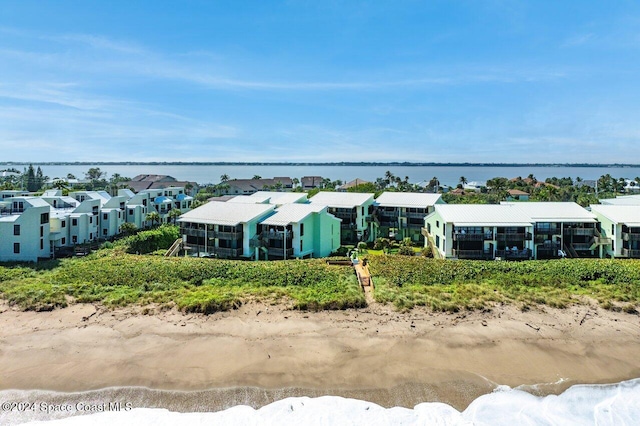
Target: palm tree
[[389, 177], [255, 177], [295, 182], [174, 214], [153, 217], [463, 180], [224, 178]]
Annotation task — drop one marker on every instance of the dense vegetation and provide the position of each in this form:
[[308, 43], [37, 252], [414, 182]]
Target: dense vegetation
[[114, 278], [455, 285]]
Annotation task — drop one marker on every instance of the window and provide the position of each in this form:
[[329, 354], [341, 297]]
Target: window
[[16, 229], [300, 245], [130, 212], [104, 216], [42, 231], [63, 241], [44, 218], [41, 244], [428, 227], [613, 230], [74, 222], [438, 241], [91, 236], [74, 239], [16, 248], [301, 231], [437, 224], [104, 231], [91, 219], [63, 224]]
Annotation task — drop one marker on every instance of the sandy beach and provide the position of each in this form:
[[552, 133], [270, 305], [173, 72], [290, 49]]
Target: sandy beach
[[375, 353]]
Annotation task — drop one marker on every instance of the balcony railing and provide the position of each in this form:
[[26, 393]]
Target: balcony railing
[[415, 215], [513, 236], [473, 254], [628, 236], [228, 235], [580, 231], [279, 252], [211, 234], [472, 236], [630, 253], [581, 246], [548, 231], [514, 254]]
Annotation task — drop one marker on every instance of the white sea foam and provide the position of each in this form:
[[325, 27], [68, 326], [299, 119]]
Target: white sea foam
[[616, 404]]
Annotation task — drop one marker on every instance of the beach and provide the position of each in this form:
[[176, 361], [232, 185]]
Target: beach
[[260, 353]]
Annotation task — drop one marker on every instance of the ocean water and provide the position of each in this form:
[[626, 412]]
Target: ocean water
[[613, 404], [447, 175]]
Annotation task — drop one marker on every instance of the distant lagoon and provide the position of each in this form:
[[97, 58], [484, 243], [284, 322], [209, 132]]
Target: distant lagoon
[[447, 175]]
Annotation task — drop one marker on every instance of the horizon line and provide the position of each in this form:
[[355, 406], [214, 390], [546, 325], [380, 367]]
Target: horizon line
[[324, 163]]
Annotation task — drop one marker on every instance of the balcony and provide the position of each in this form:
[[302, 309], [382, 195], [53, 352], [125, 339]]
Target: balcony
[[192, 232], [630, 253], [279, 252], [514, 254], [227, 235], [580, 231], [628, 236], [226, 252], [548, 231], [473, 254], [460, 236], [415, 215], [513, 236]]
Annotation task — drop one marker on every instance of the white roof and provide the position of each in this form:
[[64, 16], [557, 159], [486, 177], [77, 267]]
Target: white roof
[[341, 199], [543, 211], [628, 215], [245, 199], [226, 214], [292, 213], [280, 198], [626, 200], [482, 215], [407, 199]]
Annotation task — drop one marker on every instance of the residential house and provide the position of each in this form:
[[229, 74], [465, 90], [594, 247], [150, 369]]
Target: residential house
[[311, 182], [225, 230], [354, 209], [400, 215], [479, 231], [561, 229], [24, 229], [620, 229], [299, 231]]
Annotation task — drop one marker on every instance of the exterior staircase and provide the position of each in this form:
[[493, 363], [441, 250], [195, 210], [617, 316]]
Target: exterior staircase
[[174, 249]]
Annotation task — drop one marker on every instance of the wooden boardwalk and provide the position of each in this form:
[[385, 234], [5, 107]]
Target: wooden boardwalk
[[364, 278]]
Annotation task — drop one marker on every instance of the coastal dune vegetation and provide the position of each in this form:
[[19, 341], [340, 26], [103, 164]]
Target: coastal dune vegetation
[[112, 277]]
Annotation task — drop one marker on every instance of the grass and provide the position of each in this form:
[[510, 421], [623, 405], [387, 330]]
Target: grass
[[114, 278], [452, 286]]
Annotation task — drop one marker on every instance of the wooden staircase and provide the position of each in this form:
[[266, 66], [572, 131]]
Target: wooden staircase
[[175, 248]]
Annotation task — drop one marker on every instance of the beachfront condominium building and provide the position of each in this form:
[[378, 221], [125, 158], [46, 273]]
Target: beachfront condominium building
[[24, 229], [224, 230], [562, 229], [354, 209], [539, 230], [299, 231], [401, 215], [620, 229], [475, 231]]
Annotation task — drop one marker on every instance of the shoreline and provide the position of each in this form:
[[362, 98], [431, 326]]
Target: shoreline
[[259, 352]]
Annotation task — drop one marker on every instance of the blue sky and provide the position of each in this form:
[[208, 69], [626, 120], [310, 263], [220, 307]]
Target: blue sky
[[443, 81]]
